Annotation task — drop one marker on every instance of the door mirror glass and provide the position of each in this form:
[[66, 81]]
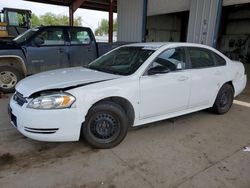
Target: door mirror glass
[[38, 41], [158, 70]]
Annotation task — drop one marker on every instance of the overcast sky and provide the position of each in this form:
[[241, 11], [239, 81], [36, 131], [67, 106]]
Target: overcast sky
[[90, 18]]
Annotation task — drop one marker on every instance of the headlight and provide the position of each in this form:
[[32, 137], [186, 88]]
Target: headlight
[[52, 101]]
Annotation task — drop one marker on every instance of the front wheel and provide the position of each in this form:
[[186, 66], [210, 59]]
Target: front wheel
[[106, 125], [224, 99], [9, 77]]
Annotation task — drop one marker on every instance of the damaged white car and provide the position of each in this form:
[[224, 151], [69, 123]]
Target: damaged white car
[[129, 86]]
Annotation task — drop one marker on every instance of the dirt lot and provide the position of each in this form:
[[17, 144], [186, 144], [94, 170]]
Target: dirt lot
[[195, 150]]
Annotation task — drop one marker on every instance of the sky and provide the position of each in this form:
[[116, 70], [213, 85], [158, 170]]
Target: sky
[[90, 18]]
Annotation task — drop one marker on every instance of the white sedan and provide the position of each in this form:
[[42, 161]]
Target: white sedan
[[129, 86]]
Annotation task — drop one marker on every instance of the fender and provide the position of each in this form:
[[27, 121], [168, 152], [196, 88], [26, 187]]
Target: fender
[[130, 107], [20, 61]]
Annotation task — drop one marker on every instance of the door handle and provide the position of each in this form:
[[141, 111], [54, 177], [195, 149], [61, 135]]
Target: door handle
[[60, 50], [183, 78], [89, 49]]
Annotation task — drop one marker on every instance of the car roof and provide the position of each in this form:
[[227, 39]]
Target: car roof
[[60, 26], [157, 45], [153, 45]]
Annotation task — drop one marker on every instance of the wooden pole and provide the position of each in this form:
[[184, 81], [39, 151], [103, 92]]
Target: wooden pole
[[72, 8], [71, 16], [111, 9]]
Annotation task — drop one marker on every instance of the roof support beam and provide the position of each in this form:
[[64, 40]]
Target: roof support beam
[[111, 9], [72, 8], [77, 4], [71, 16], [102, 5]]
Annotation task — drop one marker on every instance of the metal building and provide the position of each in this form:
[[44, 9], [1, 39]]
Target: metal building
[[224, 24]]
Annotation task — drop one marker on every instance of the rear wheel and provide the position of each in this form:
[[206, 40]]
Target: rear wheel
[[224, 99], [106, 125], [9, 77]]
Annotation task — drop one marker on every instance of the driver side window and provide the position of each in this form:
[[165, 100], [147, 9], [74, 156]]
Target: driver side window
[[51, 36], [171, 59]]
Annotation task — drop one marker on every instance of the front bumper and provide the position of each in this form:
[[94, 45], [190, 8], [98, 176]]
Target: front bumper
[[46, 125]]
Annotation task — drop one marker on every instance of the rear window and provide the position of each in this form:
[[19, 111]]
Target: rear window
[[220, 61], [79, 36], [200, 58]]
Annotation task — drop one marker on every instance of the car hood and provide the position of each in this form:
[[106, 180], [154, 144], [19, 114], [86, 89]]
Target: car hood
[[61, 79], [7, 45]]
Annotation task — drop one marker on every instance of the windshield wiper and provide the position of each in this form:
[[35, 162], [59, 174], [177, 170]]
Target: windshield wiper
[[86, 66]]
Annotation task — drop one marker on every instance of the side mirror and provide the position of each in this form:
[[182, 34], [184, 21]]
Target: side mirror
[[38, 41], [158, 70]]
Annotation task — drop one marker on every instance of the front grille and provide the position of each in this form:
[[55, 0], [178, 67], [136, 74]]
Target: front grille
[[18, 97], [41, 131], [13, 119]]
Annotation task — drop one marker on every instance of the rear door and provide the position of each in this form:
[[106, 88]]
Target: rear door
[[51, 53], [82, 49], [207, 77]]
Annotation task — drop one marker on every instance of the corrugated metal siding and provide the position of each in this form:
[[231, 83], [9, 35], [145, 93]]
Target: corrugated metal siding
[[234, 2], [163, 28], [202, 21], [130, 20], [157, 7]]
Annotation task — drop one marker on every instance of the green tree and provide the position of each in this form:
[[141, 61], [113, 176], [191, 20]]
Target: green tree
[[35, 21], [53, 19], [115, 25], [104, 27]]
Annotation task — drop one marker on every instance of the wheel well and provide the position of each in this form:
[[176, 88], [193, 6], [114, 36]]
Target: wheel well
[[231, 84], [125, 104], [14, 62]]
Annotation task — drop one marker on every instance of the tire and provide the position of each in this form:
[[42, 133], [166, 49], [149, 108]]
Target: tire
[[224, 99], [9, 77], [106, 125]]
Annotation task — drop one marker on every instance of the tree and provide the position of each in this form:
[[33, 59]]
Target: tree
[[115, 25], [35, 21], [53, 19], [104, 27]]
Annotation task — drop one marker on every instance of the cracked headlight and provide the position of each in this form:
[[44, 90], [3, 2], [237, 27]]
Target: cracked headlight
[[52, 101]]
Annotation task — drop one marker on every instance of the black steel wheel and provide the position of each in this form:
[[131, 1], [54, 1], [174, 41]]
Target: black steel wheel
[[224, 99], [106, 125]]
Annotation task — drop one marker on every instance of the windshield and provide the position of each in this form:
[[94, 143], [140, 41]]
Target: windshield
[[123, 61], [25, 36]]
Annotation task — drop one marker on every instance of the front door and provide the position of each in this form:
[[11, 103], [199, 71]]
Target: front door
[[166, 92], [51, 51], [82, 49]]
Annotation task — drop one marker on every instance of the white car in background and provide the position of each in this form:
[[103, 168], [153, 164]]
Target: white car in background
[[129, 86]]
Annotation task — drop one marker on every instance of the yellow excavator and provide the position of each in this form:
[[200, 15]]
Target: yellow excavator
[[13, 22]]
